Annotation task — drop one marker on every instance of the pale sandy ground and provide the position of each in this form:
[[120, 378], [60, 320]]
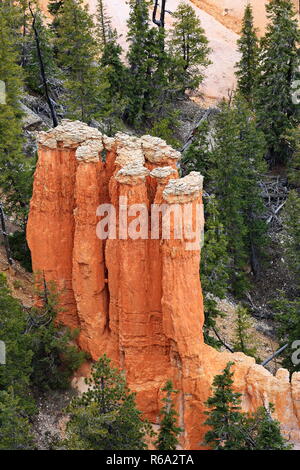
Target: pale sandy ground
[[220, 74], [230, 12]]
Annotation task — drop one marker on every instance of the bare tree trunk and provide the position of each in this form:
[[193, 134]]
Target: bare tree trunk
[[5, 236], [23, 54], [161, 21], [42, 69], [221, 341]]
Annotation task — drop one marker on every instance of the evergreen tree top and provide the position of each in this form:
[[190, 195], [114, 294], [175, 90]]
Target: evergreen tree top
[[224, 398], [282, 16], [105, 417], [169, 431]]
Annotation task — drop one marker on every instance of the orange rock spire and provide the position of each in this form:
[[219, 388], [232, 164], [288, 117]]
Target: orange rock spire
[[138, 298]]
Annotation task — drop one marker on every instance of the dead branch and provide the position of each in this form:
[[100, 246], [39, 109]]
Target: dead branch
[[42, 69], [221, 341], [161, 21], [5, 236]]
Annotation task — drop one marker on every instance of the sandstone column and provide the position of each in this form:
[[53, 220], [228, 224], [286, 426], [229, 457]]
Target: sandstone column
[[138, 299]]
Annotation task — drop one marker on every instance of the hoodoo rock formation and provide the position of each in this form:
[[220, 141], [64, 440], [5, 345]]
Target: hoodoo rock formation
[[137, 299]]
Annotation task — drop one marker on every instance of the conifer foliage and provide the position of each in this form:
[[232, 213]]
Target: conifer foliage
[[16, 172], [294, 162], [77, 50], [39, 357], [104, 28], [105, 417], [54, 357], [224, 416], [114, 72], [214, 267], [279, 63], [159, 71], [197, 157], [292, 238], [237, 164], [17, 370], [15, 432], [265, 430], [169, 431], [145, 62], [232, 429], [247, 67], [44, 36], [243, 340], [287, 304], [189, 47]]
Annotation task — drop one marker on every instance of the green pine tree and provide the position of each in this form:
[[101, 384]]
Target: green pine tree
[[214, 256], [18, 17], [17, 370], [197, 157], [279, 59], [15, 170], [55, 358], [165, 126], [287, 304], [232, 429], [189, 48], [214, 267], [230, 155], [23, 30], [265, 430], [224, 415], [294, 162], [114, 96], [243, 339], [15, 432], [39, 353], [143, 57], [77, 51], [54, 6], [247, 67], [291, 218], [237, 166], [140, 63], [104, 28], [105, 417], [287, 320], [167, 438], [113, 72]]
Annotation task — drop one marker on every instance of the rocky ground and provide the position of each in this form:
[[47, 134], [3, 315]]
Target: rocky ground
[[50, 421], [20, 282]]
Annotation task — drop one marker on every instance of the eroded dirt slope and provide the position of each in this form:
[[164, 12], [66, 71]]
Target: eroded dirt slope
[[220, 74]]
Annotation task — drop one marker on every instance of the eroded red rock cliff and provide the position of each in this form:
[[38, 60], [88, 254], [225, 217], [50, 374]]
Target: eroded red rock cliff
[[137, 300]]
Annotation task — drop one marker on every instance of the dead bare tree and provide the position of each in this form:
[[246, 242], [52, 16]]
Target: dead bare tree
[[5, 236], [274, 355], [274, 189], [161, 21], [42, 68], [221, 341]]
